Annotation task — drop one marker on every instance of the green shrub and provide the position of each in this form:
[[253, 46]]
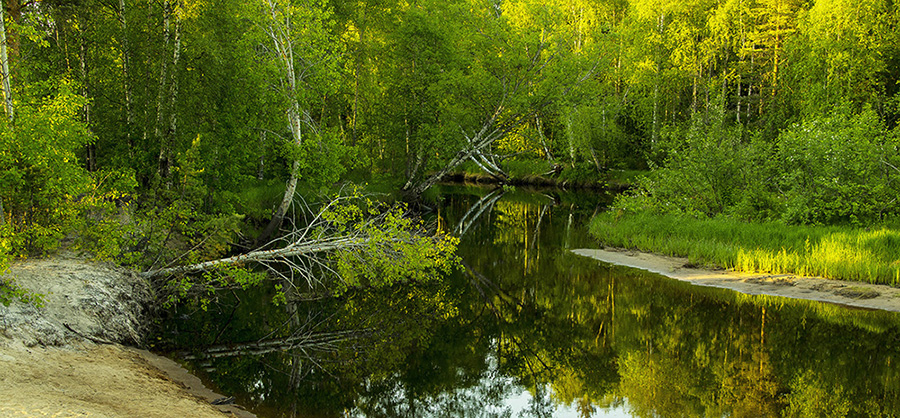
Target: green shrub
[[833, 170], [706, 169], [40, 178]]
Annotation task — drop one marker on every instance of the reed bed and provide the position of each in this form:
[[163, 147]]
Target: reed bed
[[836, 252]]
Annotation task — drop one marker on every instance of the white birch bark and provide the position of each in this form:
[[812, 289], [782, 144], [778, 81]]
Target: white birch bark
[[7, 90], [4, 64], [126, 80], [166, 117], [279, 31]]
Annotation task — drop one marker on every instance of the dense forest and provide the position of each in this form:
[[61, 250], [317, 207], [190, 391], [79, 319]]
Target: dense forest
[[206, 120]]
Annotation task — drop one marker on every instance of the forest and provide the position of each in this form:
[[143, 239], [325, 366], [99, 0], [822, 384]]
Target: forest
[[169, 132]]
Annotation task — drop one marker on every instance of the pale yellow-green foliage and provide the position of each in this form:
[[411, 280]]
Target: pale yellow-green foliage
[[397, 247], [840, 255], [847, 253]]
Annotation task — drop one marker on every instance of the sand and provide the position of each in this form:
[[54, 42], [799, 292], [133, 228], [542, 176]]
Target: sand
[[857, 294], [51, 364]]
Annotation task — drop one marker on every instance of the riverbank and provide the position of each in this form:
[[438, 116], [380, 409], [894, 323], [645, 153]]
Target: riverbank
[[841, 252], [856, 294], [613, 181], [72, 355]]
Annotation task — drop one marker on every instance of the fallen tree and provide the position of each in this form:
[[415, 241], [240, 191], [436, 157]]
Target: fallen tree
[[519, 77], [350, 241]]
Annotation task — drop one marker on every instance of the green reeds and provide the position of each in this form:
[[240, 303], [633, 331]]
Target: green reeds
[[837, 252]]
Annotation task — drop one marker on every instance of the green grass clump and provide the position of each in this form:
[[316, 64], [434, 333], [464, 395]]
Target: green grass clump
[[838, 252]]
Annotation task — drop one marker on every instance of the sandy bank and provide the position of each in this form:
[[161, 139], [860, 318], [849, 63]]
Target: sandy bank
[[862, 295], [52, 365]]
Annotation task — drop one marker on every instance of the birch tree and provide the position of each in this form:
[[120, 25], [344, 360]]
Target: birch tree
[[299, 40], [516, 70], [166, 115], [4, 64], [348, 242]]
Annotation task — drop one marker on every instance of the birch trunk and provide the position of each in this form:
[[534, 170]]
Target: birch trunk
[[308, 341], [280, 32], [161, 91], [4, 64], [126, 58], [7, 89], [168, 91], [91, 148], [261, 256]]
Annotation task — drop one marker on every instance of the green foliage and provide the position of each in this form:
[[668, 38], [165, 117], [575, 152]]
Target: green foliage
[[322, 158], [836, 169], [41, 177], [396, 247], [593, 132], [203, 290], [708, 169], [814, 395], [10, 292], [46, 194], [825, 170], [179, 231], [523, 167]]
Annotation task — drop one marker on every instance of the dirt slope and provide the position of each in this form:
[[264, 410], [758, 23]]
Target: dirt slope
[[50, 364]]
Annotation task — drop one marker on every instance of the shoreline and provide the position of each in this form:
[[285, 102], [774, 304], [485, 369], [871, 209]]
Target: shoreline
[[75, 355], [841, 292]]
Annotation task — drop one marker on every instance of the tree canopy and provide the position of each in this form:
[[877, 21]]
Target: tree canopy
[[216, 116]]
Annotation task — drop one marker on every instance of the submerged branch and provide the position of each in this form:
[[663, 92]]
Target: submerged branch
[[318, 341]]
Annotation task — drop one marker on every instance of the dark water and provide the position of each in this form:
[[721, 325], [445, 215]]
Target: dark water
[[528, 329]]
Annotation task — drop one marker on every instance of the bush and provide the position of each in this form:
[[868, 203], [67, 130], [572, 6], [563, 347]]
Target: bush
[[835, 169], [40, 178], [45, 194], [707, 168]]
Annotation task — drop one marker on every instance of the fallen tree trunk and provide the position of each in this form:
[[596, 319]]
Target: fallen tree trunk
[[292, 250], [354, 243]]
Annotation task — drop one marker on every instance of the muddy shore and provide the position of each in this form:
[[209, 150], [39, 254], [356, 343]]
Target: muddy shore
[[857, 294]]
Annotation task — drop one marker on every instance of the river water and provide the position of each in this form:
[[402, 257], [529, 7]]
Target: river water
[[526, 328]]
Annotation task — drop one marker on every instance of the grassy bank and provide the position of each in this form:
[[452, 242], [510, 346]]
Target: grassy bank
[[837, 252]]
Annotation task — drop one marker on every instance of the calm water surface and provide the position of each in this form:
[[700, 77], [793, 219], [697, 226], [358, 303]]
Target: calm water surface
[[527, 329]]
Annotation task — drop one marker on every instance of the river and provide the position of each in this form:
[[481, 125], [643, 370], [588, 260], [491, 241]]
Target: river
[[526, 328]]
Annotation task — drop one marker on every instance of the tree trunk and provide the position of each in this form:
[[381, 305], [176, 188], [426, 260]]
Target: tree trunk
[[90, 148], [168, 91], [475, 212], [310, 341], [548, 153], [261, 165], [596, 160], [4, 64], [126, 58], [261, 256], [280, 31]]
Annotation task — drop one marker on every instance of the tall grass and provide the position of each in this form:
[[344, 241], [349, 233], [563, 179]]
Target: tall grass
[[837, 252]]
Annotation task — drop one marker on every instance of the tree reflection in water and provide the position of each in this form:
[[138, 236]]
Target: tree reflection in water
[[528, 329]]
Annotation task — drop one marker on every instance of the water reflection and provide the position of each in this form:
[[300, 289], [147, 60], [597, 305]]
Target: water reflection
[[528, 329]]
